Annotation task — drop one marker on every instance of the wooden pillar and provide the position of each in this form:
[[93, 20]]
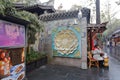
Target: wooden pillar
[[90, 39]]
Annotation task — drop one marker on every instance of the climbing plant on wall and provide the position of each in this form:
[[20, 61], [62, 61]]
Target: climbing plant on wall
[[6, 7]]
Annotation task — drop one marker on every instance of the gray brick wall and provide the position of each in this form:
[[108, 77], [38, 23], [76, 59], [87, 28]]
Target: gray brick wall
[[82, 24]]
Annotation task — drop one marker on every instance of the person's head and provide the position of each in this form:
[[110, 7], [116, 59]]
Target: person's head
[[96, 46]]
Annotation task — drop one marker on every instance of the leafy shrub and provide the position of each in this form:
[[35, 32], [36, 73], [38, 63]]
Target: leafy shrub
[[33, 55]]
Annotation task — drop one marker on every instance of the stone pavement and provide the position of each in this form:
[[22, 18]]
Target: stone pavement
[[58, 72]]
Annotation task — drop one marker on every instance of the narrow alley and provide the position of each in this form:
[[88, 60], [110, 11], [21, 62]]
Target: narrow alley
[[58, 72]]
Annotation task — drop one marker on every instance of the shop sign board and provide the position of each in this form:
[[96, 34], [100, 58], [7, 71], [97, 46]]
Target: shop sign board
[[12, 51], [11, 35]]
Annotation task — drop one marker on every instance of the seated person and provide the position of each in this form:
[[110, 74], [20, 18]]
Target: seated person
[[98, 54]]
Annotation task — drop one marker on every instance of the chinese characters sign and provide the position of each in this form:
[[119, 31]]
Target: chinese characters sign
[[11, 34]]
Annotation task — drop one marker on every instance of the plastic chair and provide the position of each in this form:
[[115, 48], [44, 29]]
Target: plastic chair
[[92, 61]]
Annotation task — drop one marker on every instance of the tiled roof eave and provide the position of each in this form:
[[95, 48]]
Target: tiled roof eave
[[97, 25], [65, 15], [36, 6], [60, 15]]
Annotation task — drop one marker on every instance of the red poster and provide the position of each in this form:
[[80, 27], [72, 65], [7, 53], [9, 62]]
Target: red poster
[[12, 65]]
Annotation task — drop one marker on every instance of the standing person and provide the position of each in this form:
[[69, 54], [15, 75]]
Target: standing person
[[108, 43], [113, 43]]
